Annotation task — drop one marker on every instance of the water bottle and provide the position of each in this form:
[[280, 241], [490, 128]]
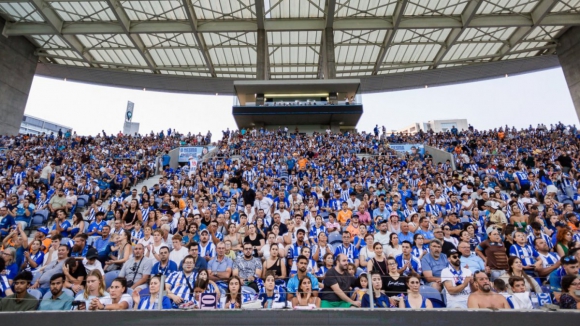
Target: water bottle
[[535, 301]]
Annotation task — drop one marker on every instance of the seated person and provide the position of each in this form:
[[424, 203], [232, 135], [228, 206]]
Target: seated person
[[58, 299], [118, 298], [21, 300], [151, 301], [483, 297], [380, 300]]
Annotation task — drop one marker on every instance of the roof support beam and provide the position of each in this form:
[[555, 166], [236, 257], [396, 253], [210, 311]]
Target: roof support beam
[[329, 9], [466, 18], [262, 55], [204, 26], [397, 18], [537, 16], [328, 60], [55, 24], [125, 23], [259, 5], [193, 24]]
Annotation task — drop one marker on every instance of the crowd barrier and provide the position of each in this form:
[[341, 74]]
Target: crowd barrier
[[333, 317]]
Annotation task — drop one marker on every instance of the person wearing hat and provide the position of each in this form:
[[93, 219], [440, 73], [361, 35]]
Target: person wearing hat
[[496, 216], [455, 280], [41, 235], [570, 266], [207, 248], [20, 300], [493, 252], [91, 261]]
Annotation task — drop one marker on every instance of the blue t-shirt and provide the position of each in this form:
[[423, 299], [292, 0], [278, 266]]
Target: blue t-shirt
[[428, 263], [170, 268], [381, 302], [293, 283]]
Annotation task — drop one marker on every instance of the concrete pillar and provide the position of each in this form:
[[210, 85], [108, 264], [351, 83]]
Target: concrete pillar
[[569, 55], [328, 62], [262, 56], [17, 67]]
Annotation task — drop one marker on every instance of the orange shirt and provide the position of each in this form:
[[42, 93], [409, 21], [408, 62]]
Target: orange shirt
[[353, 230], [302, 163], [343, 216]]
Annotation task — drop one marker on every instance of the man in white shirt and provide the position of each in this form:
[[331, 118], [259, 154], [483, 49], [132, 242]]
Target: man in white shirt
[[455, 280], [383, 236], [284, 213], [353, 202], [179, 251], [262, 202]]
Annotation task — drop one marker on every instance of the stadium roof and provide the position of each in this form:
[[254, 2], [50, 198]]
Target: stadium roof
[[287, 39]]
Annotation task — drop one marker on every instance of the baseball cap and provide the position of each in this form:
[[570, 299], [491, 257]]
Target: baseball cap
[[92, 253], [490, 229], [204, 230], [451, 252], [568, 260], [43, 230]]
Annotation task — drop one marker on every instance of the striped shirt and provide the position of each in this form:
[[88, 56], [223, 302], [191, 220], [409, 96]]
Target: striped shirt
[[178, 283]]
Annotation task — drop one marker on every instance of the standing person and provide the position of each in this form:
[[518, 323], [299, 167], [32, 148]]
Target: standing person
[[21, 300], [483, 297], [59, 300], [337, 283], [414, 299], [493, 253], [455, 280]]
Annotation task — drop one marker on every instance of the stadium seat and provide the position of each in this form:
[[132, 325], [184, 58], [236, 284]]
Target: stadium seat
[[433, 295], [35, 293], [109, 277]]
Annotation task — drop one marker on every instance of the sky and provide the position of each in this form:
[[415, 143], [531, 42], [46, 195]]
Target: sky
[[540, 97]]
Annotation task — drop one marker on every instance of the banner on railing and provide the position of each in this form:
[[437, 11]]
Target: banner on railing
[[408, 148], [196, 152]]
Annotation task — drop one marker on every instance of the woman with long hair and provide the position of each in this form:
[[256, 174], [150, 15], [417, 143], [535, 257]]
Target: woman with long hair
[[393, 249], [94, 288], [414, 299], [327, 263], [379, 262], [272, 296], [118, 298], [78, 225], [563, 238], [132, 215], [123, 249], [570, 290], [275, 263], [151, 301], [393, 283], [516, 268], [380, 299], [233, 299], [304, 298]]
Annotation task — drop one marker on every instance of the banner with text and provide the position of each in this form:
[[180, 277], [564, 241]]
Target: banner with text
[[408, 148], [196, 152]]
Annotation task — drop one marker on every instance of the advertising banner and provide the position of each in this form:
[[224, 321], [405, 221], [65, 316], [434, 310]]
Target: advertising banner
[[196, 152]]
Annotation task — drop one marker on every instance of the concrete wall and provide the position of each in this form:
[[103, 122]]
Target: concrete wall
[[569, 56], [17, 67], [333, 317], [437, 125], [440, 156]]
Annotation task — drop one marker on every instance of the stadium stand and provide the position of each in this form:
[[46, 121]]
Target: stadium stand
[[274, 220]]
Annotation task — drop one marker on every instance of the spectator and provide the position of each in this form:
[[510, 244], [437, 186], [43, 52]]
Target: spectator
[[59, 300], [199, 262], [302, 272], [137, 269], [21, 300], [164, 266], [274, 264], [380, 300], [456, 280], [492, 251], [394, 283], [433, 263], [220, 267], [151, 301], [4, 283], [43, 279], [570, 287], [248, 268], [520, 298], [91, 261], [180, 284], [233, 297], [75, 274], [482, 297], [337, 283], [516, 269], [470, 260], [569, 267], [94, 288], [179, 251], [273, 296], [118, 298], [414, 299]]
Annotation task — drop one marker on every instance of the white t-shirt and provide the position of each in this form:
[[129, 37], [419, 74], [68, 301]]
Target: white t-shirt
[[177, 256], [382, 238], [97, 265], [446, 275], [284, 216], [81, 297], [125, 297], [265, 204], [265, 250]]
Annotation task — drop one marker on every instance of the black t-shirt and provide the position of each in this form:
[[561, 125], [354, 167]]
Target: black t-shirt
[[81, 271], [394, 287], [255, 242], [344, 282]]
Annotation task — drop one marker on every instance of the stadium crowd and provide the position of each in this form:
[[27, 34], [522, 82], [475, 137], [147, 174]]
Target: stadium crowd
[[277, 220]]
